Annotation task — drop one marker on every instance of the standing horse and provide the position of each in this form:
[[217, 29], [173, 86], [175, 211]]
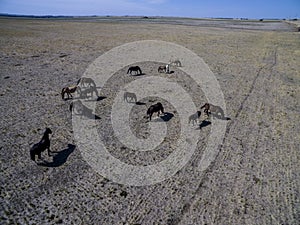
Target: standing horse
[[161, 69], [136, 69], [86, 82], [131, 96], [215, 110], [41, 146], [68, 91], [155, 108]]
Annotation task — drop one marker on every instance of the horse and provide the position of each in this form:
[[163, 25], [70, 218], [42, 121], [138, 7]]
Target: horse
[[136, 69], [176, 63], [194, 117], [155, 108], [131, 96], [215, 110], [41, 146], [87, 92], [161, 69], [68, 91], [86, 82]]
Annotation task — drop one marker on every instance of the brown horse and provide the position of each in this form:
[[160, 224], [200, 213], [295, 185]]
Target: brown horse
[[161, 69], [155, 108], [215, 110], [68, 91]]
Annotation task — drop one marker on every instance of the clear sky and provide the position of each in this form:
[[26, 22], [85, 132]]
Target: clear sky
[[186, 8]]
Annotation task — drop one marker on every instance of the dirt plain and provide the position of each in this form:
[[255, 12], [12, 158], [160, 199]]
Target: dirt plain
[[255, 178]]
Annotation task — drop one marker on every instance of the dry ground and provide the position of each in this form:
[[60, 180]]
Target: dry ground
[[255, 178]]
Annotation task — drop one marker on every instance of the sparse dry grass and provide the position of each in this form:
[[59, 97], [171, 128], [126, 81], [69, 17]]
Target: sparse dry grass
[[254, 180]]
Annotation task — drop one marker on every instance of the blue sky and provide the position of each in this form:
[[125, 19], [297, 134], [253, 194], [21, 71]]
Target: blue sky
[[186, 8]]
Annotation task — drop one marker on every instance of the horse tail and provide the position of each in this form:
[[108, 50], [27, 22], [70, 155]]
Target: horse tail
[[128, 70], [78, 81]]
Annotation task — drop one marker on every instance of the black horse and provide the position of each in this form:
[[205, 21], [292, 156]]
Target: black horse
[[136, 69], [44, 144], [155, 108], [215, 110]]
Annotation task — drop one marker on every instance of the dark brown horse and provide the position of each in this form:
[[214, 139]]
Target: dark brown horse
[[161, 69], [41, 146], [215, 110], [155, 108], [136, 69], [68, 91]]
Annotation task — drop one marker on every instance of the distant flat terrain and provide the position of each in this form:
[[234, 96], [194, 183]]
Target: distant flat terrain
[[255, 177]]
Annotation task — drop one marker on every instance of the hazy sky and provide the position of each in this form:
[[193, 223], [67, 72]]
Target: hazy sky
[[187, 8]]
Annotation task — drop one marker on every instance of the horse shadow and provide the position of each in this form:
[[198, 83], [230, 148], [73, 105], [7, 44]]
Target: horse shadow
[[100, 98], [140, 103], [165, 118], [138, 74], [204, 123], [60, 157], [220, 117]]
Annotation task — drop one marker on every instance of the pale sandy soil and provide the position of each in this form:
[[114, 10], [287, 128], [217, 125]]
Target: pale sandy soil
[[255, 178]]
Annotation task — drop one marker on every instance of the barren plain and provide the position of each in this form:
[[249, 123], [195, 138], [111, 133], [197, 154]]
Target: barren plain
[[255, 178]]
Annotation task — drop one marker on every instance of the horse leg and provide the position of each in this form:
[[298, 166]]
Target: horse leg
[[39, 155], [49, 151]]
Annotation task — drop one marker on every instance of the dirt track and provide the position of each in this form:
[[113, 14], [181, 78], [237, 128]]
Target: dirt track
[[255, 178]]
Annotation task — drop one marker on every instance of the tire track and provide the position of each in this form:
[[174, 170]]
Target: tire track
[[270, 60]]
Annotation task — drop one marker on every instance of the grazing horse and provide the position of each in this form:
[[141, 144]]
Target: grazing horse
[[131, 96], [87, 92], [215, 110], [194, 117], [68, 91], [41, 146], [86, 82], [136, 69], [155, 108]]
